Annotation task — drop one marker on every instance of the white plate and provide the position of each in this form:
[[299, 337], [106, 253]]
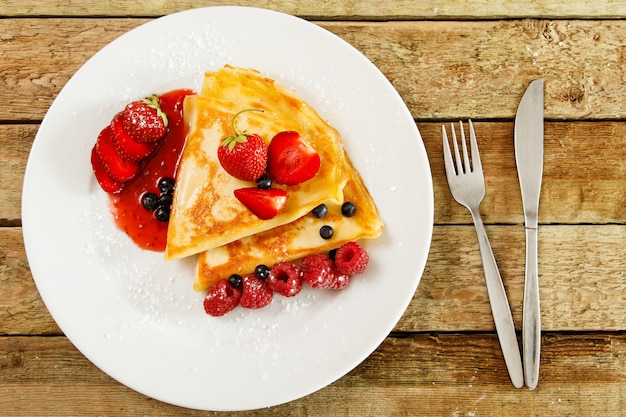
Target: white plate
[[134, 315]]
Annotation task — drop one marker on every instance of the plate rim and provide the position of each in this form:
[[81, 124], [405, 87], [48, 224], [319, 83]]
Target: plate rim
[[29, 237]]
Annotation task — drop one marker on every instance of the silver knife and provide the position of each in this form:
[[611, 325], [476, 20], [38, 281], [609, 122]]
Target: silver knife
[[529, 160]]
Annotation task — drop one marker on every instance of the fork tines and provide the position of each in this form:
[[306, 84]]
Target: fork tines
[[462, 166]]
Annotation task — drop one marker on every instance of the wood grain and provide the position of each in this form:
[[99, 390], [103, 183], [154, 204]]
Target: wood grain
[[448, 60], [332, 9], [583, 179], [442, 70], [416, 374], [582, 276]]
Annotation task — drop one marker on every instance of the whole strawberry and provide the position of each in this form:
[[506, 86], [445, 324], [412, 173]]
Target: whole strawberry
[[243, 155], [144, 120]]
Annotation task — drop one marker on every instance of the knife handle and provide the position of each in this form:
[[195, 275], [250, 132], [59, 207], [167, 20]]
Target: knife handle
[[500, 308], [531, 333]]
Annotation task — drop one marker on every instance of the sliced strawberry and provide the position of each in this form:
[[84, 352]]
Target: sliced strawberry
[[107, 183], [118, 169], [127, 148], [144, 120], [290, 160], [265, 204]]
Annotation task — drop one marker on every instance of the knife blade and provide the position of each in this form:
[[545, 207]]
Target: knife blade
[[529, 160]]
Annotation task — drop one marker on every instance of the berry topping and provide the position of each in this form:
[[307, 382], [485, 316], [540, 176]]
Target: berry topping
[[166, 185], [262, 271], [317, 271], [326, 232], [162, 214], [320, 211], [144, 120], [285, 279], [265, 204], [351, 258], [221, 298], [243, 155], [119, 169], [264, 182], [256, 293], [348, 209], [150, 201], [165, 200], [107, 183], [235, 280], [128, 148], [290, 160]]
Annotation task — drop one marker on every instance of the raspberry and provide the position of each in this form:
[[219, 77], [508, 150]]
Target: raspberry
[[317, 270], [285, 279], [221, 298], [351, 258], [256, 292], [339, 279]]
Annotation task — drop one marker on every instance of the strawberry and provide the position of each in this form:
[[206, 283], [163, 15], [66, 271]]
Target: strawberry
[[107, 183], [144, 120], [265, 204], [256, 292], [119, 169], [127, 147], [290, 160], [221, 298], [243, 155]]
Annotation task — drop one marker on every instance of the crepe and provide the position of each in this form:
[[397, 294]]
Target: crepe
[[296, 239], [205, 214]]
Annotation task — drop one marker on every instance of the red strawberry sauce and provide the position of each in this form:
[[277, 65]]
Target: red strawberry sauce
[[129, 214]]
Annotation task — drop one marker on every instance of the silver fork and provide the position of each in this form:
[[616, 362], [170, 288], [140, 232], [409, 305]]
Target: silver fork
[[467, 185]]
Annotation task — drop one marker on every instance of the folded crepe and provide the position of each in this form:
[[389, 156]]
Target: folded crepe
[[205, 213], [208, 220], [296, 239]]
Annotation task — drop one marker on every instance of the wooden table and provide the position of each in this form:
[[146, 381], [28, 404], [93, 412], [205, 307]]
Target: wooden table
[[449, 61]]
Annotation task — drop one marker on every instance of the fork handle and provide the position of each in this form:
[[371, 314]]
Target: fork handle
[[499, 305], [531, 325]]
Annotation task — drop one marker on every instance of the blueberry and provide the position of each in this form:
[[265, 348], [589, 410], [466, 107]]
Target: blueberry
[[320, 211], [162, 213], [235, 280], [264, 182], [348, 209], [150, 201], [332, 254], [166, 185], [261, 271], [326, 232], [165, 200]]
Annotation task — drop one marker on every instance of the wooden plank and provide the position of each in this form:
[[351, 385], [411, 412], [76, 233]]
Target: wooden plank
[[583, 174], [22, 310], [15, 144], [416, 374], [581, 268], [581, 274], [443, 70], [583, 180], [377, 9]]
